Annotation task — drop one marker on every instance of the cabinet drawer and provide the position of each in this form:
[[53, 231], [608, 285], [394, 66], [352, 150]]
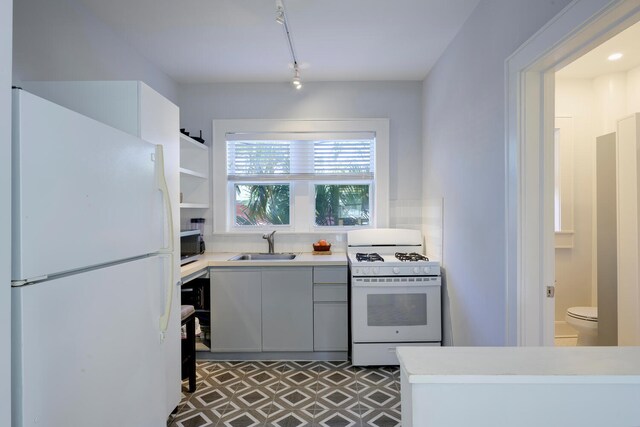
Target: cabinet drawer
[[330, 275], [329, 292]]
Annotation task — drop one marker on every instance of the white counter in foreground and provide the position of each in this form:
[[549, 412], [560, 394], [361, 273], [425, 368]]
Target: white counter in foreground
[[520, 386]]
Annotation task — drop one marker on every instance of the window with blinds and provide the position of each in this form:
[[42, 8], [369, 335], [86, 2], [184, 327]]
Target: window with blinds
[[336, 170]]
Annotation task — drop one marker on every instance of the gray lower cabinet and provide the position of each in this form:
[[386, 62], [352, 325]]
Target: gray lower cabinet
[[330, 326], [279, 309], [287, 309], [236, 311]]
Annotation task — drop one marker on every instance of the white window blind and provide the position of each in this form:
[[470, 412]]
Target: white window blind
[[258, 158], [253, 157], [343, 158]]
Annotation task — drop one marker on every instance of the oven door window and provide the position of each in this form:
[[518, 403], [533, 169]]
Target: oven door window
[[396, 309]]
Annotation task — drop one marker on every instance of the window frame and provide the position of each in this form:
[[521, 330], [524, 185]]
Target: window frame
[[563, 146], [379, 190]]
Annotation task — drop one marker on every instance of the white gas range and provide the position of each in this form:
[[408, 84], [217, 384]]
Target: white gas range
[[395, 295]]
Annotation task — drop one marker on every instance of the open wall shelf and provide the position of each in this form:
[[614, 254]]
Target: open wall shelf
[[194, 174]]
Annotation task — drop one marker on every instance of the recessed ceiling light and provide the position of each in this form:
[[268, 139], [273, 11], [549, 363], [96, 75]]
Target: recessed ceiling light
[[614, 56]]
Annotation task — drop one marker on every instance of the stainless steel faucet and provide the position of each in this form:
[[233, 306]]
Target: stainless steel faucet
[[269, 237]]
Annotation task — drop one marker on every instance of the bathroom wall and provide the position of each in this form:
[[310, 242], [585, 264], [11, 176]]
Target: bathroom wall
[[610, 103], [633, 90], [595, 105], [574, 275]]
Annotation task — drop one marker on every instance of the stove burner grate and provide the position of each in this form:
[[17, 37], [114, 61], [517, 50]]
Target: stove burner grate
[[403, 256], [369, 257]]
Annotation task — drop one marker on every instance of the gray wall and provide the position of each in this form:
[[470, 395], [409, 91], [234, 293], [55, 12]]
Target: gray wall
[[5, 212], [63, 40], [464, 160], [607, 232], [398, 101]]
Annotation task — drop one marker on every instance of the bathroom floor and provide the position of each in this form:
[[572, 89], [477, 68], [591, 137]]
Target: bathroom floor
[[292, 394]]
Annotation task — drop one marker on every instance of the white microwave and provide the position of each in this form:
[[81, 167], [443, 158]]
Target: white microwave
[[191, 246]]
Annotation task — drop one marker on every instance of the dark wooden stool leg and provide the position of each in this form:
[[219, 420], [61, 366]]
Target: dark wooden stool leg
[[191, 338], [189, 352]]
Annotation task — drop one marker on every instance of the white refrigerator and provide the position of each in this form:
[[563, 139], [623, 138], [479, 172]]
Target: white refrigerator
[[92, 272]]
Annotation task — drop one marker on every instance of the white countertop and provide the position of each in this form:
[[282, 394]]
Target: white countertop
[[304, 259], [576, 365]]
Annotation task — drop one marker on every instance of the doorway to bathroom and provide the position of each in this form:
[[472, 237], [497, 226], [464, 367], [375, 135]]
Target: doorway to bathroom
[[595, 192], [530, 136]]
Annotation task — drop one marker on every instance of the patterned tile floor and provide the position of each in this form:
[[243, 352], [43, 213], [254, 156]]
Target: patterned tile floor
[[291, 394]]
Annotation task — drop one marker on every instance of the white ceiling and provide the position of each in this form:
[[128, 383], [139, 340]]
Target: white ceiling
[[198, 41], [594, 63]]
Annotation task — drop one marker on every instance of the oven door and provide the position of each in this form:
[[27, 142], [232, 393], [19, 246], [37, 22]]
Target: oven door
[[396, 309]]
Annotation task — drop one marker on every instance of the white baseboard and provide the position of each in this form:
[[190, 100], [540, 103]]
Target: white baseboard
[[563, 330]]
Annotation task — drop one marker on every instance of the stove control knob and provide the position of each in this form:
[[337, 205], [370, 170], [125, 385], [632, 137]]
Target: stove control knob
[[396, 270], [416, 270], [357, 271], [376, 270], [427, 270], [365, 270]]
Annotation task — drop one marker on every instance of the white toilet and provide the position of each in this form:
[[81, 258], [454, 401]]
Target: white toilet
[[585, 321]]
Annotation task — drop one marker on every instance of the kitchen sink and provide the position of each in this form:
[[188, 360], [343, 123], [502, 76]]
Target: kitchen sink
[[262, 257]]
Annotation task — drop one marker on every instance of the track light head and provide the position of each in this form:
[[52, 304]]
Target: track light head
[[280, 19], [296, 82]]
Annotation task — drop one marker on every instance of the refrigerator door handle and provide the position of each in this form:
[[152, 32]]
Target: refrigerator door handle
[[162, 186], [168, 250]]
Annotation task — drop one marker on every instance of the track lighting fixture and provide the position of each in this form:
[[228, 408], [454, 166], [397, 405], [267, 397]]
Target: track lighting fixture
[[281, 18]]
